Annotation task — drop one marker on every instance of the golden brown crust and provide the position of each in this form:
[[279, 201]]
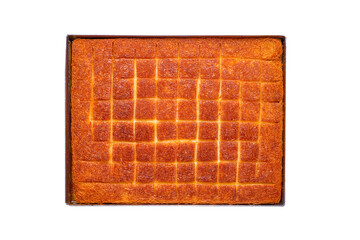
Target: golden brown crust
[[177, 120]]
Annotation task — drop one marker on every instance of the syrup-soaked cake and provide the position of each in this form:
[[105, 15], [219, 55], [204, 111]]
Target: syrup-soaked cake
[[177, 120]]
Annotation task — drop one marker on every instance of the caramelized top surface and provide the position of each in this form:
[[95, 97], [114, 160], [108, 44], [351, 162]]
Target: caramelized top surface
[[177, 120]]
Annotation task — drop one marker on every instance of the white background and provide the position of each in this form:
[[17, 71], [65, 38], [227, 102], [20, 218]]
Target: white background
[[322, 133]]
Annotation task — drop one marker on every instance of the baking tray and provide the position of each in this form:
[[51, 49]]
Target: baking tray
[[68, 149]]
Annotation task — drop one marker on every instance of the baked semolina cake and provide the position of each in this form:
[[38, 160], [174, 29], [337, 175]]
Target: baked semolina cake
[[177, 120]]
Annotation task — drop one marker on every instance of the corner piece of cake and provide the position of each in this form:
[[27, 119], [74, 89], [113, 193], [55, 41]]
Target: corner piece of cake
[[178, 120]]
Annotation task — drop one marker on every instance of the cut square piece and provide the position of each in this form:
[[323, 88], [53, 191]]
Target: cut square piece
[[123, 89], [209, 110], [145, 172], [102, 49], [81, 90], [145, 152], [144, 193], [100, 151], [187, 130], [189, 49], [166, 109], [189, 68], [81, 49], [210, 69], [270, 151], [166, 88], [249, 151], [123, 152], [249, 131], [269, 132], [209, 49], [271, 112], [272, 92], [168, 68], [146, 88], [81, 70], [227, 194], [250, 91], [229, 131], [249, 70], [91, 171], [81, 110], [232, 48], [166, 131], [227, 172], [230, 89], [230, 69], [145, 68], [206, 193], [123, 131], [229, 110], [123, 109], [187, 110], [271, 71], [187, 88], [166, 152], [84, 132], [209, 89], [186, 152], [185, 172], [101, 131], [228, 151], [260, 194], [186, 193], [268, 172], [145, 109], [165, 172], [208, 131], [250, 111], [124, 48], [101, 110], [206, 172], [123, 172], [165, 193], [246, 172], [123, 68], [101, 89], [144, 131], [167, 48], [145, 48], [207, 151]]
